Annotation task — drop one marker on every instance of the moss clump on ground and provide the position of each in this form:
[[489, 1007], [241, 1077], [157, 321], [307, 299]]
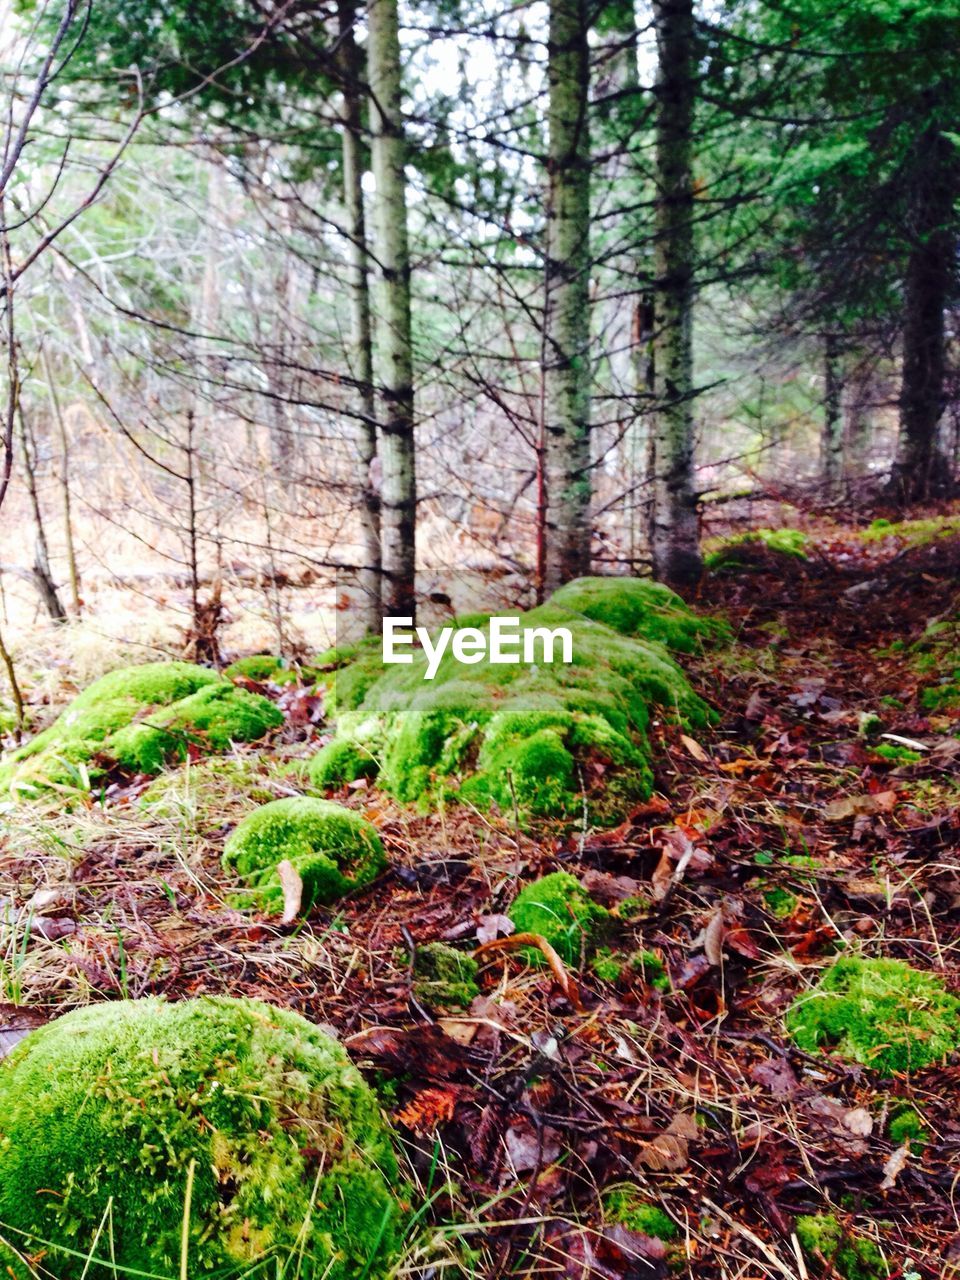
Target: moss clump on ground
[[108, 1112], [881, 1013], [906, 1126], [641, 608], [853, 1257], [560, 910], [332, 849], [725, 553], [915, 533], [444, 976], [261, 667], [518, 735], [624, 1206], [139, 719]]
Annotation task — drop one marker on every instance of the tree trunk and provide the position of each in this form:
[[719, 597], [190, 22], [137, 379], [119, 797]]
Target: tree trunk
[[859, 393], [920, 469], [566, 348], [831, 442], [674, 537], [351, 64], [394, 342], [42, 575]]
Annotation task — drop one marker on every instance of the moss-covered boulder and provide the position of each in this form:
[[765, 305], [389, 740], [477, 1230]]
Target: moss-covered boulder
[[139, 719], [882, 1013], [846, 1254], [332, 849], [108, 1115], [558, 908], [528, 735], [746, 550]]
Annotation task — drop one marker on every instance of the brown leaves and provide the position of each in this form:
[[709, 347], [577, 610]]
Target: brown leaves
[[428, 1109], [860, 806], [670, 1151]]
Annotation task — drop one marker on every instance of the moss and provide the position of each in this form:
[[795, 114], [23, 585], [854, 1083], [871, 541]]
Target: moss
[[333, 850], [882, 1013], [261, 667], [651, 969], [105, 1112], [723, 552], [853, 1257], [444, 976], [515, 735], [896, 754], [340, 761], [641, 608], [941, 698], [608, 964], [914, 533], [624, 1206], [906, 1126], [139, 719], [780, 902], [560, 910]]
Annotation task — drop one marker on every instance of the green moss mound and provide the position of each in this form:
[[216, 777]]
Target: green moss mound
[[641, 608], [260, 666], [139, 719], [907, 1126], [733, 552], [521, 736], [853, 1257], [333, 850], [882, 1013], [624, 1206], [444, 977], [104, 1113], [560, 910]]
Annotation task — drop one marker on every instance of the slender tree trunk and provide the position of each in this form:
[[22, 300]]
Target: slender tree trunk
[[567, 371], [920, 469], [41, 562], [675, 539], [857, 420], [351, 63], [831, 442], [394, 347], [72, 570]]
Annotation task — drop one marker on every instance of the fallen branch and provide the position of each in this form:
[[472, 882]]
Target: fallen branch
[[517, 941]]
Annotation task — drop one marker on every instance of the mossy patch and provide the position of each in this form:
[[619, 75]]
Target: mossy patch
[[626, 1207], [906, 1126], [139, 719], [852, 1256], [526, 736], [444, 977], [914, 533], [261, 667], [332, 849], [559, 909], [733, 552], [641, 608], [107, 1112], [881, 1013]]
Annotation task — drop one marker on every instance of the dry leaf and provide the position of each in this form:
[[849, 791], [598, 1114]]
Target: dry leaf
[[860, 806], [695, 749], [713, 938], [670, 1151], [859, 1121], [428, 1109], [492, 927], [292, 886], [894, 1167]]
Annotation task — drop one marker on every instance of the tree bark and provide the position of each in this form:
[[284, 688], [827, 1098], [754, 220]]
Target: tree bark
[[394, 347], [566, 348], [920, 469], [361, 341], [674, 537], [831, 442]]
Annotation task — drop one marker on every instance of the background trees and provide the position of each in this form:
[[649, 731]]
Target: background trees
[[623, 259]]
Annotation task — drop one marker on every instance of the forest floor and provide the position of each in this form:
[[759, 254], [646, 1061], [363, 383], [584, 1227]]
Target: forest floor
[[793, 825]]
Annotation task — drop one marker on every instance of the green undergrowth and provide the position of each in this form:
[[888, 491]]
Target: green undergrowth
[[525, 737], [845, 1253], [215, 1136], [881, 1013], [332, 849], [725, 553], [138, 719], [625, 1206], [914, 533], [935, 657], [268, 668], [559, 909]]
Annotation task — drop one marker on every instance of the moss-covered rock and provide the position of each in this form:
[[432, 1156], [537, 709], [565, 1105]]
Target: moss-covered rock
[[852, 1256], [520, 735], [641, 608], [559, 909], [625, 1206], [332, 849], [139, 719], [734, 552], [444, 977], [881, 1013], [107, 1113]]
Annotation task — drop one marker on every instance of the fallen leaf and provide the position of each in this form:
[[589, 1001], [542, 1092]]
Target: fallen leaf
[[670, 1151], [694, 748], [492, 927], [859, 1121], [894, 1166], [860, 806], [292, 885], [428, 1109], [777, 1075], [713, 938]]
